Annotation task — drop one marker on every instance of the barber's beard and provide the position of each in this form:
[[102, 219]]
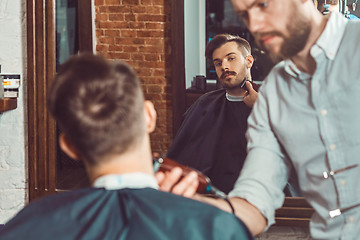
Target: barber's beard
[[299, 31]]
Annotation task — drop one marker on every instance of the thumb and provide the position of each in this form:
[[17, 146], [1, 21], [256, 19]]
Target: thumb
[[249, 87]]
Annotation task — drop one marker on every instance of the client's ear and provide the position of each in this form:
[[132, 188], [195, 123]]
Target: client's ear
[[249, 61], [150, 116], [68, 147]]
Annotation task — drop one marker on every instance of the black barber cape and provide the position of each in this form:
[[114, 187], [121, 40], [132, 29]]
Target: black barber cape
[[139, 214], [211, 138]]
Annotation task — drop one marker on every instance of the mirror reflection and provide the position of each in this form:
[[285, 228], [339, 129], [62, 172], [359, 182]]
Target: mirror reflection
[[211, 137]]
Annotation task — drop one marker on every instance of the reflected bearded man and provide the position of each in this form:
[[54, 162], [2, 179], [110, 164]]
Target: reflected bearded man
[[211, 137]]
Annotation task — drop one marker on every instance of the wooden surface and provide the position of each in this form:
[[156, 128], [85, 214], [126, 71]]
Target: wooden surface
[[177, 62], [7, 104], [41, 59]]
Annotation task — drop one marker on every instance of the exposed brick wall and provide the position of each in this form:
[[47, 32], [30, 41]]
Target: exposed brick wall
[[138, 32]]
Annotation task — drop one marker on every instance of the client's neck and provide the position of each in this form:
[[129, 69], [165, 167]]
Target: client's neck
[[136, 159]]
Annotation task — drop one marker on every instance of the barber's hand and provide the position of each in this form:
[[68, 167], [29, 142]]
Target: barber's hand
[[252, 95], [169, 182]]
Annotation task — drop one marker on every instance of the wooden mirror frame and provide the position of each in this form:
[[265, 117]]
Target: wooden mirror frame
[[41, 67], [295, 211]]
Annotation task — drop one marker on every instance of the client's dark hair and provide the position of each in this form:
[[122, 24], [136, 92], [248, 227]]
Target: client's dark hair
[[221, 39], [98, 104]]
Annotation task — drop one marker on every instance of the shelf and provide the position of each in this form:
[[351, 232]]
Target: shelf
[[7, 104]]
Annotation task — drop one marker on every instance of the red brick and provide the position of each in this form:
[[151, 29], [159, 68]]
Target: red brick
[[151, 18], [159, 72], [102, 9], [138, 9], [112, 33], [137, 56], [152, 80], [112, 2], [116, 17], [153, 10], [139, 41], [99, 33], [101, 48], [152, 57], [130, 17], [150, 33], [102, 17], [124, 40], [153, 25], [136, 25], [130, 2], [128, 33], [131, 49], [117, 55], [158, 2], [116, 48], [151, 49], [99, 2], [154, 41], [146, 2], [107, 40], [118, 9], [145, 72], [154, 89], [113, 25]]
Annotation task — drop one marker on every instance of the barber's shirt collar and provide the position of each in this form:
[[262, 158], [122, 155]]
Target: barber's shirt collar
[[130, 180], [328, 43]]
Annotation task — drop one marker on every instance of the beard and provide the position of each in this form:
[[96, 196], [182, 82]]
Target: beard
[[299, 31], [231, 85]]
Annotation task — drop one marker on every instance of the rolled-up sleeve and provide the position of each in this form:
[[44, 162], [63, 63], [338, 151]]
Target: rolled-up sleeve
[[265, 171]]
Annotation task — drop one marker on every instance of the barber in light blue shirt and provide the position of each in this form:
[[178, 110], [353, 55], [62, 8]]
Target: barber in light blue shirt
[[310, 119], [307, 116]]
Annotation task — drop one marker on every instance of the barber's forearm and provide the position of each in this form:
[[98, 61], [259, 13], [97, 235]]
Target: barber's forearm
[[248, 213]]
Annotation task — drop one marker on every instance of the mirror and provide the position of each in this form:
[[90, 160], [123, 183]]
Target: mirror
[[295, 211]]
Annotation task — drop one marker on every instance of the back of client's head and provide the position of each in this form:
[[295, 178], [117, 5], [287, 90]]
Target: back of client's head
[[98, 105]]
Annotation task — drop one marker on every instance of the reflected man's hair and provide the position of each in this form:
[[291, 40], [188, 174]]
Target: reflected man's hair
[[222, 39], [99, 105]]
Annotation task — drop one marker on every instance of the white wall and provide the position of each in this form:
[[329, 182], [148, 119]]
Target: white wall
[[13, 164]]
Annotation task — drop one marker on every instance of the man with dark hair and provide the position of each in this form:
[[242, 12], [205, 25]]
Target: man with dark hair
[[105, 122], [306, 116], [211, 137]]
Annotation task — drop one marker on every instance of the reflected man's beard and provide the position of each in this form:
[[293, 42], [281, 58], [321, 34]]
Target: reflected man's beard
[[230, 86], [299, 31]]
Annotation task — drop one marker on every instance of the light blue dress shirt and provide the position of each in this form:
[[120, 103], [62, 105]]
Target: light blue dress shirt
[[311, 123]]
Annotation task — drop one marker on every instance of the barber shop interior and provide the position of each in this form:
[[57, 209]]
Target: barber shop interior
[[179, 119]]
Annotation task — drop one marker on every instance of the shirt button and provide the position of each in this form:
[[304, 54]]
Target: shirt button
[[332, 146], [342, 183], [323, 112], [351, 219]]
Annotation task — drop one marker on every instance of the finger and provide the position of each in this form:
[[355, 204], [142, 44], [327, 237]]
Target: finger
[[186, 184], [159, 176], [170, 179], [249, 87], [191, 191], [156, 155]]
